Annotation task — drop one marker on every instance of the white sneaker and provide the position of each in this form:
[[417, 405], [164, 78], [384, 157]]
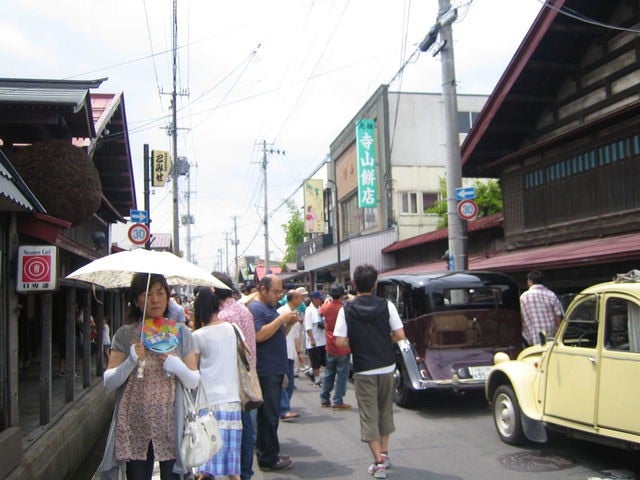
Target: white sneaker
[[385, 460], [378, 470]]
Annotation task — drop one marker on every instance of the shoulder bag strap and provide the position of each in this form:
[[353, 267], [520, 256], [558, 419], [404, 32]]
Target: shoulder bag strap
[[189, 403], [243, 351]]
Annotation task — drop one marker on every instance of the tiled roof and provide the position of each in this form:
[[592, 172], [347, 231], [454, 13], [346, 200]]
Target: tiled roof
[[37, 99], [530, 82], [482, 223], [160, 241], [565, 255], [259, 272]]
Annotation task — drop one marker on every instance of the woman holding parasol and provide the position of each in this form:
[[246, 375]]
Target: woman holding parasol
[[149, 360]]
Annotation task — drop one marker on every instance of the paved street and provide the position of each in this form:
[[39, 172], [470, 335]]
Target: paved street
[[447, 438]]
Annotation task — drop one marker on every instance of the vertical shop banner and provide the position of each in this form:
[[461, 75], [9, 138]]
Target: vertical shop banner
[[160, 167], [313, 206], [367, 171]]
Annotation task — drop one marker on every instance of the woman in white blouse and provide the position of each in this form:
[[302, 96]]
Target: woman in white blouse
[[216, 350]]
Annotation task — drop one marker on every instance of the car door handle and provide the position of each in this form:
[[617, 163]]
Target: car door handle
[[592, 360]]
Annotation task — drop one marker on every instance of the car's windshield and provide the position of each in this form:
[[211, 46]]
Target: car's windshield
[[582, 323]]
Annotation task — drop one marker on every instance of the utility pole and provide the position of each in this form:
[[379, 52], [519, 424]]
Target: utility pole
[[174, 132], [189, 218], [457, 236], [456, 226], [266, 211], [235, 243], [147, 183], [226, 252], [220, 253]]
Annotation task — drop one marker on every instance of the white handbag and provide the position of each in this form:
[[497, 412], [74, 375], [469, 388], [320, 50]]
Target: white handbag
[[201, 438]]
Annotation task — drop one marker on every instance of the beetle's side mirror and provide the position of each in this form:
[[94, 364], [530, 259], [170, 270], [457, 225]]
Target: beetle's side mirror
[[543, 337]]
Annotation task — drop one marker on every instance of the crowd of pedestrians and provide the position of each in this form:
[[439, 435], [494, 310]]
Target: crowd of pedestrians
[[283, 331]]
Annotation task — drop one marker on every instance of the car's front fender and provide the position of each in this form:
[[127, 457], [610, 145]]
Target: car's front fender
[[524, 379], [406, 354]]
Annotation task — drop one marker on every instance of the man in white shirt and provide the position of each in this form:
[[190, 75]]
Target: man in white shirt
[[315, 338], [370, 325], [294, 349]]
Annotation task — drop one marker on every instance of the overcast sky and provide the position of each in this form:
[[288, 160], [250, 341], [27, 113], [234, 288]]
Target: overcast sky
[[291, 72]]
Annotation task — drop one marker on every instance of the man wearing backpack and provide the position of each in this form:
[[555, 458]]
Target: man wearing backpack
[[370, 325]]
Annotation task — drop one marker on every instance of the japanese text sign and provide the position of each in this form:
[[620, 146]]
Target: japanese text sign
[[313, 206], [367, 169], [160, 168], [37, 268]]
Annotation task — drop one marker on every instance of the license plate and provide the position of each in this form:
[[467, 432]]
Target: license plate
[[479, 373]]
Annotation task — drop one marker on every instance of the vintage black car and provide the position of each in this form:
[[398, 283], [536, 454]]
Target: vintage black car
[[454, 323]]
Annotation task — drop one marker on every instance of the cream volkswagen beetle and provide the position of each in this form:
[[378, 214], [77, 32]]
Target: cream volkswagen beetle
[[585, 382]]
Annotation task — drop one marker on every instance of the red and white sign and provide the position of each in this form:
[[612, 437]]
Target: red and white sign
[[138, 233], [467, 209], [37, 268]]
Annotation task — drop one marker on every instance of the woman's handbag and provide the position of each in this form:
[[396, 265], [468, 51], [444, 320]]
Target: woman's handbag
[[201, 438], [250, 391]]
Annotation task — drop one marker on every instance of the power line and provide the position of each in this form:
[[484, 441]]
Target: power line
[[286, 70], [146, 57], [583, 18], [405, 27], [155, 123], [155, 69], [304, 87], [276, 245], [248, 60], [322, 164], [245, 62]]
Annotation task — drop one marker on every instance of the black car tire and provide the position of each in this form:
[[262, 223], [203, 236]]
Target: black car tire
[[507, 416], [403, 395]]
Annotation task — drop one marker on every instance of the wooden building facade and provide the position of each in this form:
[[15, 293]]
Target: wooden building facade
[[561, 133], [51, 399]]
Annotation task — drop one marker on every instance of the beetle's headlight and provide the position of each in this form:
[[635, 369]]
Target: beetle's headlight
[[500, 357]]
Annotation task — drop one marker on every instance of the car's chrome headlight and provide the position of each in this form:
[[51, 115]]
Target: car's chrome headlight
[[500, 357]]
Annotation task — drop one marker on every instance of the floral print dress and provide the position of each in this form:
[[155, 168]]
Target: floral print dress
[[146, 413]]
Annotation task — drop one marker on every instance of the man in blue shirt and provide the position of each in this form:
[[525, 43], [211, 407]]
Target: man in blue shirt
[[271, 366]]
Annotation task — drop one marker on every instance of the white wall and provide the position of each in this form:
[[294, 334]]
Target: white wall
[[416, 129], [366, 249], [418, 154]]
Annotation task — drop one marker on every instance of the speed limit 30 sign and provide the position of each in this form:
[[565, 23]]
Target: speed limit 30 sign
[[138, 233], [467, 209]]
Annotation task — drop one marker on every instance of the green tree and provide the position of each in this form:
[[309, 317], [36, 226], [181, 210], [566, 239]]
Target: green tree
[[488, 198], [440, 207], [294, 232]]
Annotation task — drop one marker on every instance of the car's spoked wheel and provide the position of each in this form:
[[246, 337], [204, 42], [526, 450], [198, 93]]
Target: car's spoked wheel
[[506, 415], [403, 396]]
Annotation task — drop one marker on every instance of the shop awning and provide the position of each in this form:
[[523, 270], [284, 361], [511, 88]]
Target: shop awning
[[566, 255]]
